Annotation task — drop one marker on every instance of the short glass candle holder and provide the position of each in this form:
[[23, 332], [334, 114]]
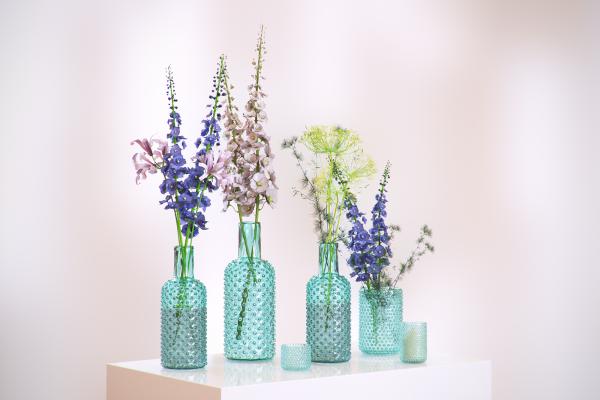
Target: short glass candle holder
[[414, 342], [295, 357]]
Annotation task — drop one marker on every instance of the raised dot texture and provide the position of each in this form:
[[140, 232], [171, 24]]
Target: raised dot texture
[[380, 321], [257, 339], [183, 324], [328, 326]]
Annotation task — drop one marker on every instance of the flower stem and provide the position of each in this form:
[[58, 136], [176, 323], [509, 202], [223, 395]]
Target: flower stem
[[220, 78], [179, 237], [250, 276], [184, 259], [331, 251], [256, 212], [374, 299]]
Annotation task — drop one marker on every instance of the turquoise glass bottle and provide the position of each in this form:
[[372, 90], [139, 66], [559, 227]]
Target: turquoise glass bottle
[[328, 309], [249, 300], [183, 316], [380, 320]]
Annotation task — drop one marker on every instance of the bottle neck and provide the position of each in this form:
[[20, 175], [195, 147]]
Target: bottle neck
[[184, 262], [328, 260], [249, 240]]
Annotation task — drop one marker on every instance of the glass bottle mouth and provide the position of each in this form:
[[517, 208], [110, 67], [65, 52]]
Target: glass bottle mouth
[[184, 262], [328, 258], [384, 289], [249, 240], [249, 223]]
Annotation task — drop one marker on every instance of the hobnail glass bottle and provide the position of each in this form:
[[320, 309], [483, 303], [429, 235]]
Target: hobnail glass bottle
[[183, 316], [328, 309], [249, 300], [380, 320]]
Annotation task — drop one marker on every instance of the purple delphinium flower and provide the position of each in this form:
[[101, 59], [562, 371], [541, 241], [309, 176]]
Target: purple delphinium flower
[[186, 183], [174, 120], [209, 135], [174, 168], [370, 250], [190, 196]]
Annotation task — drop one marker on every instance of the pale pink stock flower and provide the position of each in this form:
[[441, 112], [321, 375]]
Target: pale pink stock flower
[[247, 210], [259, 183], [251, 158], [252, 182], [271, 194]]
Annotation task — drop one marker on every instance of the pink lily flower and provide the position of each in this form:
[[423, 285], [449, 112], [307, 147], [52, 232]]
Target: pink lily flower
[[216, 168], [150, 160]]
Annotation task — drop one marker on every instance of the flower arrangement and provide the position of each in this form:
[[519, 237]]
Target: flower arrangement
[[185, 186], [186, 183], [370, 249], [331, 147], [251, 180]]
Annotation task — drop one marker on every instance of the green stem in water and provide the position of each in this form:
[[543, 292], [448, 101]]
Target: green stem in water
[[331, 251], [184, 259], [331, 233], [250, 277], [374, 299]]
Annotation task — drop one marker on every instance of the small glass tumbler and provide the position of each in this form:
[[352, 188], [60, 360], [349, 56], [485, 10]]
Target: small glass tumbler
[[414, 342], [295, 357]]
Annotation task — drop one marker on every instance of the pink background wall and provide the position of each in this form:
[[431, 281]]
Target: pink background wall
[[487, 110]]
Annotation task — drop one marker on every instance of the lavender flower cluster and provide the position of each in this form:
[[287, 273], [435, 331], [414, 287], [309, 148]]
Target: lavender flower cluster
[[186, 184], [370, 249], [251, 180]]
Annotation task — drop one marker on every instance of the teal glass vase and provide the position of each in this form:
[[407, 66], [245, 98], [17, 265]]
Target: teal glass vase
[[328, 310], [295, 357], [183, 316], [249, 300], [380, 320]]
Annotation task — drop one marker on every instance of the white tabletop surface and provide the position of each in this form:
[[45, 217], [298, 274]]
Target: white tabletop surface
[[221, 373]]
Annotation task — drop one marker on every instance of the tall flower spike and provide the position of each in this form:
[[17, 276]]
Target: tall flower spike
[[209, 136], [174, 117], [186, 185], [252, 178], [370, 250], [207, 171]]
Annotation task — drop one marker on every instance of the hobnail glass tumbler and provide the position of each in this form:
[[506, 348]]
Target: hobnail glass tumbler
[[183, 316], [414, 342], [328, 310], [295, 357], [380, 320], [249, 300]]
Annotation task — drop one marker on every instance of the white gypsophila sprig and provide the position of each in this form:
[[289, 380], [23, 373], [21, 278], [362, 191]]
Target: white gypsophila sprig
[[252, 178]]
